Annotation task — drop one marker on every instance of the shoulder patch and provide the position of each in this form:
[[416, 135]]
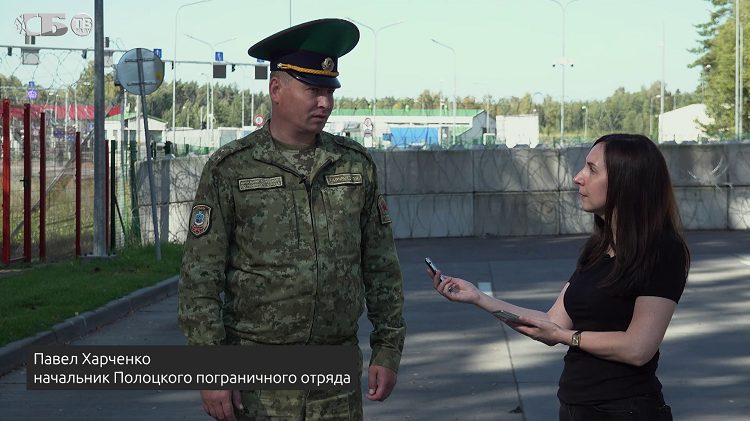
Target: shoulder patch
[[200, 221], [385, 217]]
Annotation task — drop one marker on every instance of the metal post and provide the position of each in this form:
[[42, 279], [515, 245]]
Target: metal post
[[78, 194], [174, 84], [123, 147], [27, 182], [564, 63], [100, 157], [136, 220], [586, 123], [106, 194], [663, 55], [737, 69], [6, 181], [149, 161], [42, 186], [112, 197]]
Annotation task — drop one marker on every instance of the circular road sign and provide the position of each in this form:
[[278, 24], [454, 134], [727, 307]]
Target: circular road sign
[[258, 120], [153, 71], [368, 133], [368, 122]]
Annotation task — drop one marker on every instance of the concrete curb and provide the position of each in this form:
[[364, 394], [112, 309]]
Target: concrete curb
[[14, 354]]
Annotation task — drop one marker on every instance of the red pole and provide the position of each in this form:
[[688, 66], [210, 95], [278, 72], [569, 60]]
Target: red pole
[[6, 181], [106, 193], [43, 186], [27, 182], [78, 194]]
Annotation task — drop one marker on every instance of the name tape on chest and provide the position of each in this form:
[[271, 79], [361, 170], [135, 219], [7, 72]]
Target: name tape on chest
[[245, 184], [343, 179]]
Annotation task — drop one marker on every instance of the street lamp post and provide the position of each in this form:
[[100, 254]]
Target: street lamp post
[[564, 62], [487, 119], [208, 86], [213, 53], [375, 62], [651, 118], [174, 84], [455, 98], [586, 124]]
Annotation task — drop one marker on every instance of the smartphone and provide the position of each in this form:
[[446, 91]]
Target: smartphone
[[433, 268], [507, 316]]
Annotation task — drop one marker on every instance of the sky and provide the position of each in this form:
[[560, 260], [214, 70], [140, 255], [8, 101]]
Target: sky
[[502, 47]]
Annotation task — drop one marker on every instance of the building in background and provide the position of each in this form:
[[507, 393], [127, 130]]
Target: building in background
[[684, 124], [515, 130]]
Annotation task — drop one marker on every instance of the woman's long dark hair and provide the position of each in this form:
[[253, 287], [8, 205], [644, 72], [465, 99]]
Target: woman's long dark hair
[[642, 204]]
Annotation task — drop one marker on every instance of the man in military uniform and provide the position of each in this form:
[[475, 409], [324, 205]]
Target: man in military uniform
[[290, 224]]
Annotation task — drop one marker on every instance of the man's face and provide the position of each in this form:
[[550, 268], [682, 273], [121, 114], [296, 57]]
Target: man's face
[[304, 107]]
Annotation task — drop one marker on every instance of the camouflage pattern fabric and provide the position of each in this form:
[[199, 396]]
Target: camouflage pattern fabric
[[301, 157], [298, 257]]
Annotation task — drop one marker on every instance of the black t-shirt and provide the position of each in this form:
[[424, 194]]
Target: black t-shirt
[[587, 379]]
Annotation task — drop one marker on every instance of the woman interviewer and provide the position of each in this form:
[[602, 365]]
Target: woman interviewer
[[615, 309]]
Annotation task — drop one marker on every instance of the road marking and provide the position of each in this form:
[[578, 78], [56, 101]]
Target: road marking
[[486, 288]]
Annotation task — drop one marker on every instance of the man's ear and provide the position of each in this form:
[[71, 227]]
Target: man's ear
[[274, 88]]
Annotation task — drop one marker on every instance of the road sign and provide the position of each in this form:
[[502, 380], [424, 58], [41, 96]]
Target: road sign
[[32, 84], [368, 133], [71, 130], [219, 56], [157, 51], [258, 120], [59, 133], [35, 132], [368, 122], [153, 71], [33, 94]]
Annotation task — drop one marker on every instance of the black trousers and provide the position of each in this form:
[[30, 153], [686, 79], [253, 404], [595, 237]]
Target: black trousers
[[649, 407]]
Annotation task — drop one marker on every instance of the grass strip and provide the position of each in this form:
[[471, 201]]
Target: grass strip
[[46, 294]]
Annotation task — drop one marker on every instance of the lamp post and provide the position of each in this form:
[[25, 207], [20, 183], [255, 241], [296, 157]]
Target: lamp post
[[651, 118], [586, 123], [213, 53], [375, 62], [564, 62], [455, 98], [487, 119], [208, 81], [174, 84]]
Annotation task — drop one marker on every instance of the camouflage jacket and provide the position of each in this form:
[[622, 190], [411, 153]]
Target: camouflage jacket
[[296, 257]]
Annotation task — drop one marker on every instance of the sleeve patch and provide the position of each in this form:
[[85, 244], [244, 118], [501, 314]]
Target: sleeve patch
[[200, 222], [385, 217]]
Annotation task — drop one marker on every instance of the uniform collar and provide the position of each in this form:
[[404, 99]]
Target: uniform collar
[[265, 150]]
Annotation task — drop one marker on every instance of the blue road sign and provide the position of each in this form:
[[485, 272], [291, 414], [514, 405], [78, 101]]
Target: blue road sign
[[219, 56], [157, 51], [32, 84], [31, 94], [59, 133]]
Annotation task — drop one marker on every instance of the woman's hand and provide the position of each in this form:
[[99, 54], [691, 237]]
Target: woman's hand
[[543, 331], [455, 289]]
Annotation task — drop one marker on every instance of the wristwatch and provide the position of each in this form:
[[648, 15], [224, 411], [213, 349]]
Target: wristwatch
[[576, 342]]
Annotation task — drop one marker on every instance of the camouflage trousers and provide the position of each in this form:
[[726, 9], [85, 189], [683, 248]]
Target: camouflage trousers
[[301, 405]]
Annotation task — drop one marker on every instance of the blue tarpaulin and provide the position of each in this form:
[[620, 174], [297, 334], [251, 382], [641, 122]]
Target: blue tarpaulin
[[410, 135]]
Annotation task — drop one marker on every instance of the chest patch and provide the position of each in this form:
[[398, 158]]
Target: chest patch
[[342, 179], [201, 220], [245, 184]]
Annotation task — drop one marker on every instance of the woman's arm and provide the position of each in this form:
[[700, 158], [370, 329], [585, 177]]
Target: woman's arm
[[638, 344], [456, 289], [635, 346]]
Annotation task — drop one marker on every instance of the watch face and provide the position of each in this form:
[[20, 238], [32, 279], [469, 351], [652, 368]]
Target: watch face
[[576, 339]]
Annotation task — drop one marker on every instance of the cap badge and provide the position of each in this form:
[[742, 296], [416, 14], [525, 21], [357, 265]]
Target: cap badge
[[328, 64]]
